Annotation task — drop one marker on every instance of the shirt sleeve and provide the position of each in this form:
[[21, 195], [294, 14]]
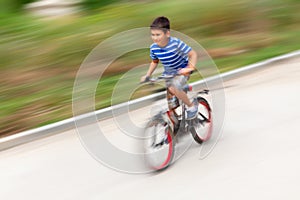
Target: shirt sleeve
[[152, 55], [184, 48]]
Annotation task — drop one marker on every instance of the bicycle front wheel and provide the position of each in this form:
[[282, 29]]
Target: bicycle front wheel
[[159, 145], [201, 127]]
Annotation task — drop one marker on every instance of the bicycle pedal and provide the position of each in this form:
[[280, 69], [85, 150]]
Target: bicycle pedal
[[165, 141]]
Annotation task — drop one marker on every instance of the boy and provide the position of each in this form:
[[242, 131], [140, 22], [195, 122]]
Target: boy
[[176, 57]]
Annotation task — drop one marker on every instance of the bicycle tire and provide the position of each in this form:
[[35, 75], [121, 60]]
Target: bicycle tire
[[201, 126], [161, 156]]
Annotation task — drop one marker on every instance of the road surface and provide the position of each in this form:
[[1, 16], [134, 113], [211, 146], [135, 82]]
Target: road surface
[[257, 156]]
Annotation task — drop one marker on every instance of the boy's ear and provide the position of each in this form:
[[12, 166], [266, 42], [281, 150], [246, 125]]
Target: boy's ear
[[168, 33]]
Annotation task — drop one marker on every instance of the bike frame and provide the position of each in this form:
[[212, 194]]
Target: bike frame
[[180, 124], [174, 123]]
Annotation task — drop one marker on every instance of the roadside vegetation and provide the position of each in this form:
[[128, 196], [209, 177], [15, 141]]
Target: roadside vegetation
[[40, 57]]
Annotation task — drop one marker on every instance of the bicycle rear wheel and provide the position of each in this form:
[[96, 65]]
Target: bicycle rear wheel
[[159, 145], [201, 126]]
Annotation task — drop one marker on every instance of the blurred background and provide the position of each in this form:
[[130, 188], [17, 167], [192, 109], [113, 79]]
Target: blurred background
[[43, 43]]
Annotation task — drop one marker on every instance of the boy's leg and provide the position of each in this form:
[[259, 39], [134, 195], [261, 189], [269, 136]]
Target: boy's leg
[[180, 94], [176, 87]]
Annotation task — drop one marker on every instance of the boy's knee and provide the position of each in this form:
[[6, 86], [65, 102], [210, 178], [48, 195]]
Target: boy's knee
[[172, 89], [177, 83]]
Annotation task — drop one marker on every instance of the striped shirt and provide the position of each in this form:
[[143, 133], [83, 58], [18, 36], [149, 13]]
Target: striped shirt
[[173, 56]]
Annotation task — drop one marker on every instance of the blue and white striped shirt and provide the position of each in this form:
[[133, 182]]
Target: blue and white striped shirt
[[173, 56]]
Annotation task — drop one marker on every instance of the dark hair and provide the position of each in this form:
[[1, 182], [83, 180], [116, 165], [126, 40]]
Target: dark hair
[[161, 23]]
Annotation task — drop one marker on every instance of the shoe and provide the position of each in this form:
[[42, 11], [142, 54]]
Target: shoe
[[192, 112]]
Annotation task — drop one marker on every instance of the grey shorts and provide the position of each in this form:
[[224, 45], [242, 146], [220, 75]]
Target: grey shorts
[[177, 82]]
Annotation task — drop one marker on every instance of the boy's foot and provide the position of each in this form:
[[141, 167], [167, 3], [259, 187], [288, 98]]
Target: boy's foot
[[192, 111]]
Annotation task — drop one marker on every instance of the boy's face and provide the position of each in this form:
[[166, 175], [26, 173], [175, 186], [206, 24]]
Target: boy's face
[[160, 37]]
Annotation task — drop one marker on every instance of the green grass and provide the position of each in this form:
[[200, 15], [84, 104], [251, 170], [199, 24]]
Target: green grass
[[39, 58]]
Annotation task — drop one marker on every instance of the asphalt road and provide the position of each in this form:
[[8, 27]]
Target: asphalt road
[[257, 156]]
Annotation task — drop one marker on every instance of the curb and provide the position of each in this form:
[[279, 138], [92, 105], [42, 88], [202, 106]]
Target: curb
[[55, 128]]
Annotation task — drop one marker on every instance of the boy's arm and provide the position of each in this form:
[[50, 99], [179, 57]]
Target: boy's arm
[[192, 59], [151, 69], [191, 65]]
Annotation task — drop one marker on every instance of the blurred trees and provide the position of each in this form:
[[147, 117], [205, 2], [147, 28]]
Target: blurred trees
[[39, 58], [8, 6], [94, 4]]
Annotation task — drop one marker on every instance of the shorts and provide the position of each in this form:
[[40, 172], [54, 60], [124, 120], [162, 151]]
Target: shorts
[[178, 82]]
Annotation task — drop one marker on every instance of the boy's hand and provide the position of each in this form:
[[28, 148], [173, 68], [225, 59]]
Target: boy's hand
[[144, 79], [186, 71]]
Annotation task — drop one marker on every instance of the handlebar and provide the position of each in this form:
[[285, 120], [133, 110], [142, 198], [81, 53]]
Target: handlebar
[[156, 79], [166, 77]]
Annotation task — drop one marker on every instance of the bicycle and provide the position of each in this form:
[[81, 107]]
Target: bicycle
[[162, 128]]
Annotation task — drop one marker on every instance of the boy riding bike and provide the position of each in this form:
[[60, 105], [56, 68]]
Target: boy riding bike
[[176, 57]]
